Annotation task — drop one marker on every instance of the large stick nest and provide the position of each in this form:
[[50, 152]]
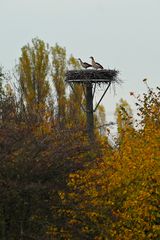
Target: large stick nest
[[92, 75]]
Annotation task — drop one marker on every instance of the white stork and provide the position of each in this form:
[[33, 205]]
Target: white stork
[[84, 64], [95, 64]]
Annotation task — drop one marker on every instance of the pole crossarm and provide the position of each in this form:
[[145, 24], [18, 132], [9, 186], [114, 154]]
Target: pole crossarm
[[102, 96]]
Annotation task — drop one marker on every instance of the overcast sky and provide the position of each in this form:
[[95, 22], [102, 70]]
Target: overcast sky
[[121, 34]]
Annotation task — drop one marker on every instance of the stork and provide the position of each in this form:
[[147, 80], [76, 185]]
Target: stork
[[95, 64], [84, 64]]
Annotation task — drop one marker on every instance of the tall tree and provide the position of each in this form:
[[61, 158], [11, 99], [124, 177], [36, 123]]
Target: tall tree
[[1, 91], [76, 115], [100, 118], [124, 117], [33, 71], [1, 79], [58, 75]]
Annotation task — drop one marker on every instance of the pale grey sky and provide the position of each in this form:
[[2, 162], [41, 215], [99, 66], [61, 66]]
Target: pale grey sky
[[122, 34]]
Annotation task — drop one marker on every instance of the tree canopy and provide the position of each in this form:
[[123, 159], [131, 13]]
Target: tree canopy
[[54, 183]]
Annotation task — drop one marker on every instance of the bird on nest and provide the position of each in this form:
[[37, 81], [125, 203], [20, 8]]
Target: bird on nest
[[95, 64], [84, 64]]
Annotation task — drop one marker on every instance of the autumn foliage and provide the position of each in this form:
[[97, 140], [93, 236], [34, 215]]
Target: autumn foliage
[[54, 183], [118, 195]]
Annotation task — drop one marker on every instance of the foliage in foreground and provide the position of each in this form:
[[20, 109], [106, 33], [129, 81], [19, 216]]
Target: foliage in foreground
[[118, 195], [54, 183]]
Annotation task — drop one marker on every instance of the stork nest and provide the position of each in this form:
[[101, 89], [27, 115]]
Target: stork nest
[[92, 76]]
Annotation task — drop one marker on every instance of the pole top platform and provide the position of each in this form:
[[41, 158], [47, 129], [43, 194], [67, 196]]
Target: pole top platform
[[92, 76]]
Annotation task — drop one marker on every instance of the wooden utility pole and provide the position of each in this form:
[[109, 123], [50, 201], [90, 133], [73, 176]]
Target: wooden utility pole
[[88, 79], [89, 110]]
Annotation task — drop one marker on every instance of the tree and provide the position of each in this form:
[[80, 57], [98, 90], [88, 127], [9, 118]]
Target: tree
[[76, 116], [58, 77], [117, 196], [33, 72], [124, 117], [35, 166], [101, 120], [1, 80]]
